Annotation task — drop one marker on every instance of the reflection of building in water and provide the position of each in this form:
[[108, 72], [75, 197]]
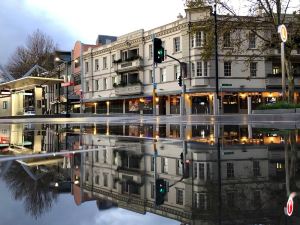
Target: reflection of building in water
[[122, 171]]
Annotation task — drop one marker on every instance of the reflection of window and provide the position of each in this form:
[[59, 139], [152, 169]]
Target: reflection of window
[[179, 196], [200, 201], [256, 168], [230, 170], [105, 175], [164, 165]]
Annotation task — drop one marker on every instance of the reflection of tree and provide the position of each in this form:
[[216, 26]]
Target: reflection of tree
[[35, 192]]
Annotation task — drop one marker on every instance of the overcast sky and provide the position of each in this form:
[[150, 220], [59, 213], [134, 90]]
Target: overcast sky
[[69, 20]]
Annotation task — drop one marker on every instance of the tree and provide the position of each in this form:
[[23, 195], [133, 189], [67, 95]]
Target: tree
[[39, 49], [262, 18]]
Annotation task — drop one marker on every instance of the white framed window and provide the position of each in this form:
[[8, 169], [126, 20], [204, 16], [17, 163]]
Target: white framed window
[[201, 171], [226, 40], [104, 83], [200, 201], [193, 69], [177, 71], [96, 64], [164, 165], [199, 69], [150, 51], [163, 74], [179, 196], [253, 69], [252, 40], [104, 62], [227, 68], [96, 85], [5, 105], [113, 58], [198, 39], [87, 86], [86, 67], [176, 43]]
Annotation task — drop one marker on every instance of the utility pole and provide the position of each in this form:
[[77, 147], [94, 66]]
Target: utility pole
[[153, 79], [216, 101]]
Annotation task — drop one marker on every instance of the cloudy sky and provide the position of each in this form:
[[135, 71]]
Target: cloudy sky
[[69, 20]]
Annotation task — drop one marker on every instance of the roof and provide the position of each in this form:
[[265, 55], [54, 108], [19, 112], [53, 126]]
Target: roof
[[26, 83]]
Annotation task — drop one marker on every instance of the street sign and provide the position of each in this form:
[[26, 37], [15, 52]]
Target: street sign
[[290, 206], [283, 32], [226, 85]]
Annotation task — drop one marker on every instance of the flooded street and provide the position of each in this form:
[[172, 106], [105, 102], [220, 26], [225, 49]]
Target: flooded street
[[96, 173]]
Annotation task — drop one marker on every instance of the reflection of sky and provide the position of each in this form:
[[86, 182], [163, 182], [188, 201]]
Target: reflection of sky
[[65, 212]]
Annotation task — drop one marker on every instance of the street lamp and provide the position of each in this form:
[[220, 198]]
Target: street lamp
[[68, 83]]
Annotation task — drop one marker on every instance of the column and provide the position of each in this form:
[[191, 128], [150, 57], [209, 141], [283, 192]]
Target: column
[[215, 104], [249, 105], [124, 106]]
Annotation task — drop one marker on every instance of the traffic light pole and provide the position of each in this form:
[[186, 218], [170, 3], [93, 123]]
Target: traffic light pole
[[182, 100], [153, 80]]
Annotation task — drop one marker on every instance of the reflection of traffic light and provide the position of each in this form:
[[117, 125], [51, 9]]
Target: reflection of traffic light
[[161, 191], [159, 51], [180, 81]]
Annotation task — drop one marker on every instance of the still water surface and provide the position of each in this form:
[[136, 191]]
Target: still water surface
[[105, 174]]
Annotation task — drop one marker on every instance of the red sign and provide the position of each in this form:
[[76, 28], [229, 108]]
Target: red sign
[[66, 84], [290, 206]]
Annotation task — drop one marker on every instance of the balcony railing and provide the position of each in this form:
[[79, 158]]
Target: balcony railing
[[129, 89], [132, 63], [275, 79]]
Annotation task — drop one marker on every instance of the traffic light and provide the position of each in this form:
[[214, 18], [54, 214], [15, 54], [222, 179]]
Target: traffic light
[[180, 80], [161, 191], [159, 51]]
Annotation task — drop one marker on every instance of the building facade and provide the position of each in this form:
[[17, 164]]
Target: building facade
[[118, 76]]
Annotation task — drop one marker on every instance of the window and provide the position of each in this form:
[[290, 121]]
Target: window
[[227, 69], [105, 176], [177, 71], [96, 64], [104, 156], [276, 69], [179, 196], [230, 170], [253, 69], [193, 69], [205, 72], [104, 62], [151, 76], [86, 67], [124, 55], [87, 177], [96, 85], [163, 75], [87, 86], [150, 52], [256, 168], [96, 156], [179, 167], [5, 105], [105, 83], [97, 179], [226, 40], [176, 42], [152, 190], [199, 69], [199, 170], [164, 164], [230, 199], [200, 201], [113, 58], [152, 163], [198, 40], [252, 40]]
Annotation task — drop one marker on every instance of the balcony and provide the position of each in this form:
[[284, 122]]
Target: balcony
[[200, 81], [130, 64], [273, 80], [129, 89]]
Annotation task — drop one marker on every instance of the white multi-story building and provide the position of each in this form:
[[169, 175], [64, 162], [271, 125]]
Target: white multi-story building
[[118, 77]]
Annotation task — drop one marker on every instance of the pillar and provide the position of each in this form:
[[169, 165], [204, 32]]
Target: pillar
[[124, 106], [249, 104], [215, 104]]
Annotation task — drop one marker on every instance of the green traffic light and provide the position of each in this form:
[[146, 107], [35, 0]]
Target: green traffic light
[[161, 190]]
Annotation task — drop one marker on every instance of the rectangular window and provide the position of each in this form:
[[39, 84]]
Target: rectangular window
[[205, 67], [96, 64], [86, 67], [164, 163], [152, 163], [163, 75], [176, 42], [96, 156], [105, 180], [87, 86], [227, 69], [96, 85], [201, 171], [113, 58], [97, 179], [252, 40], [179, 196], [200, 201], [105, 86], [150, 52], [151, 76], [253, 69], [199, 69], [87, 177], [5, 105], [193, 69], [198, 41], [152, 190], [177, 71], [104, 62], [226, 40], [124, 55], [179, 167], [195, 170], [104, 156], [256, 168], [230, 170]]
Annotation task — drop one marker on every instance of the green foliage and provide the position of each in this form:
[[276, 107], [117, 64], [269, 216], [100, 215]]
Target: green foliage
[[278, 105]]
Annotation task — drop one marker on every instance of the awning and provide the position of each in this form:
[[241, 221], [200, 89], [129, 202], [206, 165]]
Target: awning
[[26, 83]]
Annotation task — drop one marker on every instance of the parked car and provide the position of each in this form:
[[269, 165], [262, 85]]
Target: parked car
[[29, 113]]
